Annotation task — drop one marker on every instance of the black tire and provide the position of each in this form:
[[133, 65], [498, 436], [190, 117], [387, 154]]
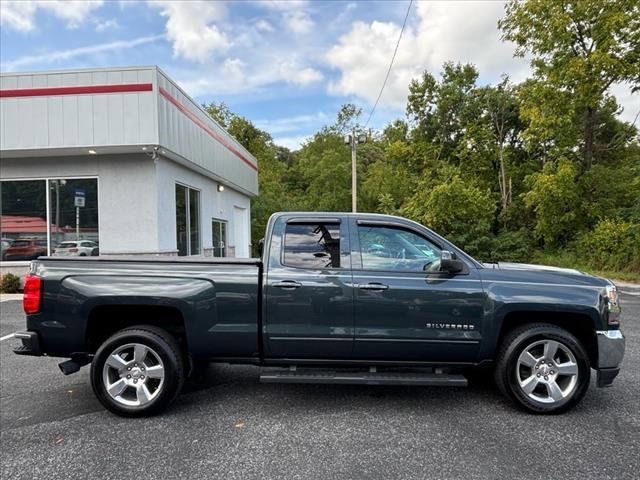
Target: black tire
[[507, 369], [161, 344]]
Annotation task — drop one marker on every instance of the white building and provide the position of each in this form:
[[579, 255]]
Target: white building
[[121, 157]]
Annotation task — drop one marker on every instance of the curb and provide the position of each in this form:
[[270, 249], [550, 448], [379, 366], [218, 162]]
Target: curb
[[5, 297], [633, 286]]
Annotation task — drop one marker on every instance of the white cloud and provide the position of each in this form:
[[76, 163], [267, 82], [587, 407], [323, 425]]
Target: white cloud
[[298, 21], [64, 55], [456, 31], [233, 71], [20, 15], [292, 143], [191, 28], [296, 75], [282, 4], [296, 123], [104, 25], [264, 26], [630, 102], [294, 14]]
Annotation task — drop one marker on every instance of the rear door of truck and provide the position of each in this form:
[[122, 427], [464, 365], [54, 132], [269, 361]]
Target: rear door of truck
[[308, 289]]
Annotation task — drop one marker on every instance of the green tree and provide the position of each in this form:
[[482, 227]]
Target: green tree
[[555, 198], [458, 210], [579, 49]]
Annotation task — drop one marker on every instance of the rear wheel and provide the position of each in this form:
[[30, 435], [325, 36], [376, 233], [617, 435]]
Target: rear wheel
[[543, 368], [138, 371]]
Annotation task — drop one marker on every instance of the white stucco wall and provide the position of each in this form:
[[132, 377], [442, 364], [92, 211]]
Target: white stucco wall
[[213, 204]]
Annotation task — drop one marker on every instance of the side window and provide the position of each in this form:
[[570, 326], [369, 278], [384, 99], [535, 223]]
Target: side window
[[390, 248], [312, 245]]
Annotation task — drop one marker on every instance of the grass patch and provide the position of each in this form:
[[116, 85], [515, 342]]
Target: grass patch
[[568, 259]]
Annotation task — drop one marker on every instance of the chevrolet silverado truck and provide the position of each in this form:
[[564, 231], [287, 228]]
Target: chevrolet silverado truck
[[336, 298]]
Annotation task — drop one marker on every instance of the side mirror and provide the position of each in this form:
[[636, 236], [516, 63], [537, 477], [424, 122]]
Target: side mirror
[[449, 263]]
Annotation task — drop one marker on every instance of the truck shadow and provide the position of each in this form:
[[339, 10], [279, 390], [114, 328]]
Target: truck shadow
[[225, 382]]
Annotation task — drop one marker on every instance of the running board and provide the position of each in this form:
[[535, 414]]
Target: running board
[[361, 378]]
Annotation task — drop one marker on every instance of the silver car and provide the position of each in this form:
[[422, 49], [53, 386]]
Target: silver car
[[81, 248]]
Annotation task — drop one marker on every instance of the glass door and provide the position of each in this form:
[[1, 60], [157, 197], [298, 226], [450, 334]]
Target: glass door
[[219, 235]]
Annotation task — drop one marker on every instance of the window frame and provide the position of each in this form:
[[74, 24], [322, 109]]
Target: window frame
[[356, 251], [47, 180], [188, 190], [365, 224], [311, 221], [220, 221]]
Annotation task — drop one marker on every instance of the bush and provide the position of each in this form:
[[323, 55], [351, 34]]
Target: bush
[[513, 246], [612, 245], [9, 283]]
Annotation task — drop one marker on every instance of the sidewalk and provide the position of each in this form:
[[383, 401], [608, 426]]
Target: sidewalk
[[5, 297]]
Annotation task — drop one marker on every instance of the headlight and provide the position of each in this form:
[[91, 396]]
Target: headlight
[[613, 306]]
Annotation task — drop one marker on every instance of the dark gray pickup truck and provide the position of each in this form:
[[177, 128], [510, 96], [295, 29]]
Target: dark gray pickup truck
[[337, 298]]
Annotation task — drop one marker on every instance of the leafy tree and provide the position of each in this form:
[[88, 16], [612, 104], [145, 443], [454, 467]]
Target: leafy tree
[[440, 109], [579, 49], [460, 211], [554, 197]]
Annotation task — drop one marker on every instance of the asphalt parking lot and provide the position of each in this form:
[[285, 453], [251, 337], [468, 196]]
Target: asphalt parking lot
[[230, 426]]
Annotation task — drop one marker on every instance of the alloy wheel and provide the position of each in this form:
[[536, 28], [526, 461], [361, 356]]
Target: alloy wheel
[[133, 375], [547, 371]]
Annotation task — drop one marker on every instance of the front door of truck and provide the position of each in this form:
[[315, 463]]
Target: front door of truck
[[403, 309], [309, 292]]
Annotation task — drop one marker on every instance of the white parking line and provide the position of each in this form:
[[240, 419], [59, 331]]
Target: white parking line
[[7, 337], [627, 292]]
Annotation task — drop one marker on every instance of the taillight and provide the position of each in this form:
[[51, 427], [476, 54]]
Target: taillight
[[73, 250], [32, 294]]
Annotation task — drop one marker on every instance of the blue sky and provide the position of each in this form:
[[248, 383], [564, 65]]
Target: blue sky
[[285, 65]]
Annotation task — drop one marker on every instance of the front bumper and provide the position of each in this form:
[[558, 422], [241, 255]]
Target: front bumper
[[611, 345]]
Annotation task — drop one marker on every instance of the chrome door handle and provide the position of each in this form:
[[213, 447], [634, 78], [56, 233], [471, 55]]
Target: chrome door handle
[[373, 286], [287, 284]]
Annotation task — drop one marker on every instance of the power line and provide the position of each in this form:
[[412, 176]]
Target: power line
[[390, 64]]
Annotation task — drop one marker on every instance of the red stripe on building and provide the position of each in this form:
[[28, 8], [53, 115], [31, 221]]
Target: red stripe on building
[[78, 90], [215, 135]]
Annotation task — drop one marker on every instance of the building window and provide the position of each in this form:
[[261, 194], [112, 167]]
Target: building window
[[29, 231], [187, 220], [312, 245], [219, 236], [73, 206]]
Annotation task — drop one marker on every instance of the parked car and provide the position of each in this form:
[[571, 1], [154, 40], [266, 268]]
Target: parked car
[[81, 248], [4, 244], [336, 298], [25, 249]]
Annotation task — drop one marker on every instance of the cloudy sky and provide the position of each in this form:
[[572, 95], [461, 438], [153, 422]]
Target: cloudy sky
[[285, 65]]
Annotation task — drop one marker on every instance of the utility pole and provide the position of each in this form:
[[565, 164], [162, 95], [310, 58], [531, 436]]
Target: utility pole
[[352, 140], [354, 172]]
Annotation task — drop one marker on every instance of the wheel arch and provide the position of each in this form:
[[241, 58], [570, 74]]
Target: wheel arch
[[579, 324], [105, 320]]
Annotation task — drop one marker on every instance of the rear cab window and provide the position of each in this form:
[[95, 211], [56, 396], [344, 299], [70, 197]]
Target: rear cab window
[[312, 245]]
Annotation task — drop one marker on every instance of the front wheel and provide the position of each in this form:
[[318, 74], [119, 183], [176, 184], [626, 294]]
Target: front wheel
[[543, 368], [138, 371]]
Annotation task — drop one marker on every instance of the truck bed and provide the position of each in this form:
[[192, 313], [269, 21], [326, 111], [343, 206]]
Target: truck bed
[[216, 301]]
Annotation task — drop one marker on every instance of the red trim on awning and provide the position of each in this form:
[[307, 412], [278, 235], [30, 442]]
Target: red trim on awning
[[215, 135], [78, 90]]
